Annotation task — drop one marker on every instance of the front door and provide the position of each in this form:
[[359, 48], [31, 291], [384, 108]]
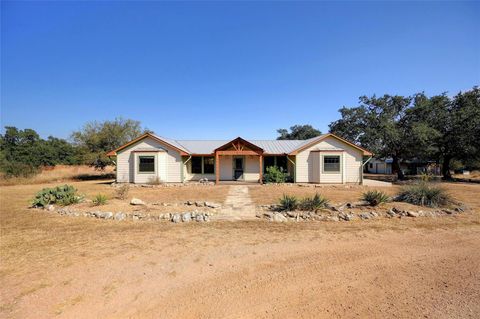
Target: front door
[[237, 168]]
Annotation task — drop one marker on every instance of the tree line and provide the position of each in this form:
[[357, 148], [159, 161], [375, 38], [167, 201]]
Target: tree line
[[437, 128], [24, 152]]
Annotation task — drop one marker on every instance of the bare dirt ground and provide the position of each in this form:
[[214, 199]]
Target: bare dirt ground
[[56, 266]]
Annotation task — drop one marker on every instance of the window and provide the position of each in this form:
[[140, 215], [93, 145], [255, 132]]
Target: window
[[146, 164], [282, 162], [279, 161], [269, 162], [208, 165], [197, 165], [203, 165], [331, 163]]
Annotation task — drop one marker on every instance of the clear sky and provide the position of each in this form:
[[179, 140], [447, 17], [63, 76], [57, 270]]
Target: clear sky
[[222, 69]]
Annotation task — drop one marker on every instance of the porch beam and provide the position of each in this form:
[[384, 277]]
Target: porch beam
[[236, 153], [217, 168], [260, 163]]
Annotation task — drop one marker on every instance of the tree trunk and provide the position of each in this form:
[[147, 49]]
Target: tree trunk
[[446, 167], [396, 168]]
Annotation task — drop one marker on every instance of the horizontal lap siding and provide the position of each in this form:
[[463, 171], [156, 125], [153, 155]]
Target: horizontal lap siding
[[226, 168], [126, 166], [251, 170], [308, 169]]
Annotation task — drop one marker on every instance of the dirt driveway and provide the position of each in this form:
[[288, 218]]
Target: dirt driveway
[[55, 266]]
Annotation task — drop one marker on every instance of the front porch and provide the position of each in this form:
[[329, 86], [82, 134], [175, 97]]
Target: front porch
[[246, 161]]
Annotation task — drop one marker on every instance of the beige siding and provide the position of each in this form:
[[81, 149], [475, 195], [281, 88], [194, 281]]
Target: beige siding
[[251, 170], [226, 168], [309, 164], [126, 163]]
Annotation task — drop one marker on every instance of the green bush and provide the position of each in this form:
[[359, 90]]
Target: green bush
[[288, 203], [100, 199], [61, 195], [375, 197], [314, 203], [275, 174], [425, 194]]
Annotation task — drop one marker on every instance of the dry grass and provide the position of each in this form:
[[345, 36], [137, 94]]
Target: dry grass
[[86, 259], [61, 173], [475, 175]]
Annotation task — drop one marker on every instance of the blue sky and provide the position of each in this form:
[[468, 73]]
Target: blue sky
[[222, 69]]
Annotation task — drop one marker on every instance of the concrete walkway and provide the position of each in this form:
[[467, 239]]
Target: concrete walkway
[[372, 182], [238, 204]]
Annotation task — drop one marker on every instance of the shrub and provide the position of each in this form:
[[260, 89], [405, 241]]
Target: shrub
[[275, 174], [313, 203], [425, 194], [100, 199], [122, 191], [375, 197], [288, 203], [61, 195]]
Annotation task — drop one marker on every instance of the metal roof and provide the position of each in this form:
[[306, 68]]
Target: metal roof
[[209, 146]]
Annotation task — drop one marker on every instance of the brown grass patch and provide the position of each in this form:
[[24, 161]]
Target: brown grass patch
[[61, 173]]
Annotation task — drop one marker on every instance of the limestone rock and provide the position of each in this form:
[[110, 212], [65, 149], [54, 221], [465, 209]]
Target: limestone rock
[[186, 217], [136, 201], [176, 218], [120, 216], [279, 218]]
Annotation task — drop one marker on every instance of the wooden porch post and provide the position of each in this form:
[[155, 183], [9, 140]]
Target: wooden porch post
[[260, 163], [217, 168]]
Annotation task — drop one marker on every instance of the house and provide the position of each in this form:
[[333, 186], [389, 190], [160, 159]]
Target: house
[[323, 159], [408, 167], [380, 166]]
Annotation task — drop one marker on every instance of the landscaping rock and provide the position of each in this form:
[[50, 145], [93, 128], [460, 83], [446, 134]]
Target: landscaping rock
[[412, 214], [448, 211], [199, 204], [190, 203], [365, 216], [346, 216], [186, 217], [391, 213], [136, 201], [212, 205], [120, 216], [107, 215], [206, 218], [50, 208], [199, 218], [279, 218], [176, 218], [292, 214]]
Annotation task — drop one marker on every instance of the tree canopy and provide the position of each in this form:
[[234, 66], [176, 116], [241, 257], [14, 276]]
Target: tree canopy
[[418, 127], [298, 132], [97, 138]]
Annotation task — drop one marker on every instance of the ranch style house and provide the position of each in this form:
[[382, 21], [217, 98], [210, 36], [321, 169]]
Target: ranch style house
[[325, 159]]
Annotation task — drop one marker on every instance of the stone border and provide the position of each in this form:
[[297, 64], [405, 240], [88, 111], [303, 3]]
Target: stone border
[[135, 216], [338, 213]]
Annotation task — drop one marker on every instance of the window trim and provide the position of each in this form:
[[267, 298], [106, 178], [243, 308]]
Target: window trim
[[154, 164], [340, 164]]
